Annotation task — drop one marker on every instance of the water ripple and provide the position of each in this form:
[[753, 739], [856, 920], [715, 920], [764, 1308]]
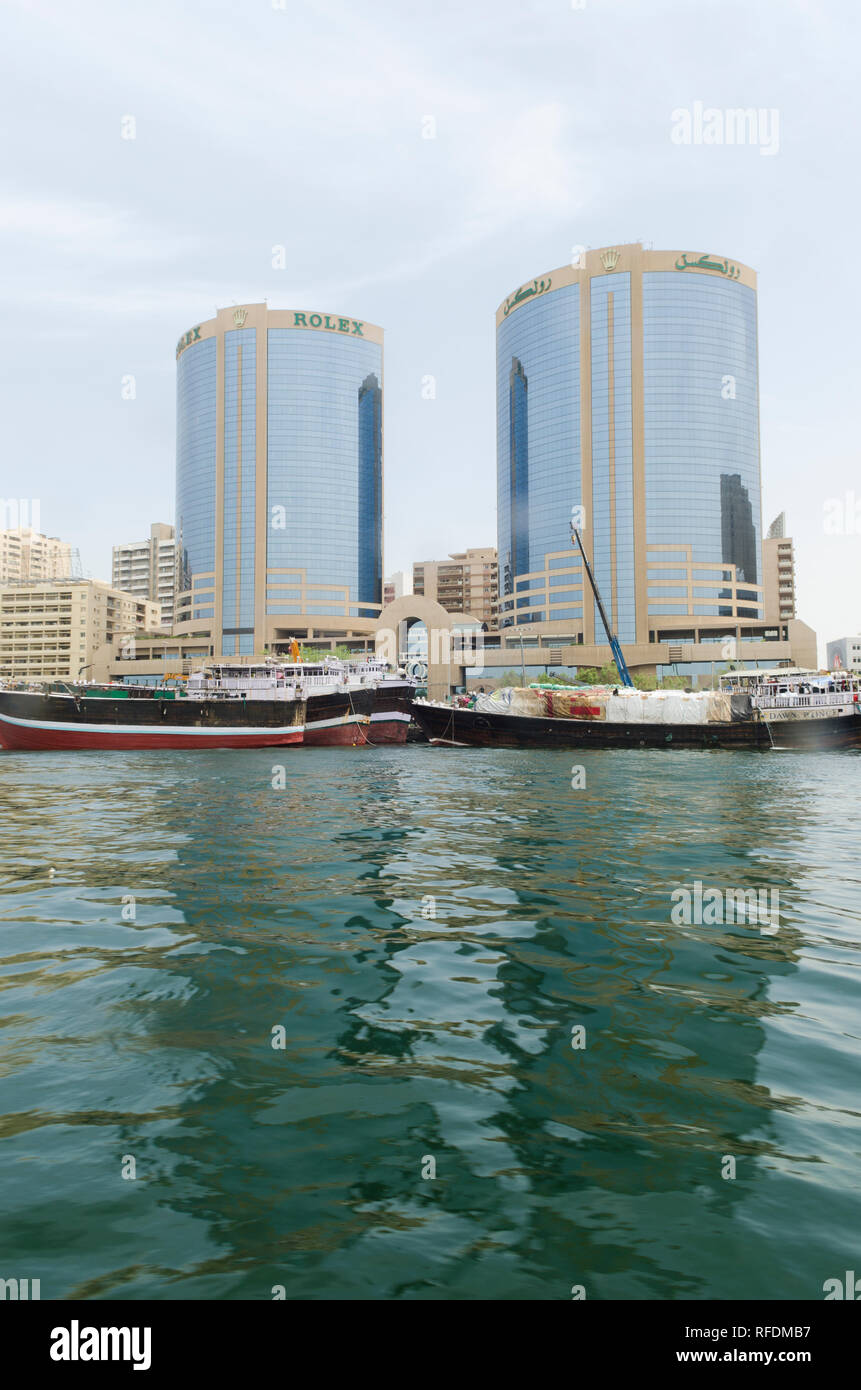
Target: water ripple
[[426, 931]]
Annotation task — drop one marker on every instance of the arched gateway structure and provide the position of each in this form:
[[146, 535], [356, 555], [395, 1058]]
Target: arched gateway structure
[[449, 655]]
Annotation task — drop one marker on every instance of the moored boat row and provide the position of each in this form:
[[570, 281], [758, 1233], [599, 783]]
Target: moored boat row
[[363, 703], [222, 706]]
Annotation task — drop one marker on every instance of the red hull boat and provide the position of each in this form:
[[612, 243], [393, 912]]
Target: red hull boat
[[143, 718]]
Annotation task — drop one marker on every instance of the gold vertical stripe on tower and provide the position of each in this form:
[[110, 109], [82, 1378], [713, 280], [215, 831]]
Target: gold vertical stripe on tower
[[261, 484], [382, 473], [638, 452], [586, 449], [611, 459], [218, 626], [236, 640]]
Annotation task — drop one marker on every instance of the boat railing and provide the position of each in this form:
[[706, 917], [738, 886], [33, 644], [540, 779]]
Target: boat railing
[[803, 701], [274, 688]]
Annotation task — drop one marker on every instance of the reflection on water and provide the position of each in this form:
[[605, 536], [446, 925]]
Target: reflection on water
[[428, 927]]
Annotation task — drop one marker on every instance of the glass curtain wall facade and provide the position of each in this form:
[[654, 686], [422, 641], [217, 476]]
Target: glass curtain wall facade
[[279, 477], [325, 471], [627, 388], [196, 394], [518, 436], [538, 412], [612, 451], [240, 476], [701, 414], [370, 409]]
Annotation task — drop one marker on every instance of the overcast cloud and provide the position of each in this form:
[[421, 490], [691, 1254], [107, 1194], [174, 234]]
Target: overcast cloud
[[258, 126]]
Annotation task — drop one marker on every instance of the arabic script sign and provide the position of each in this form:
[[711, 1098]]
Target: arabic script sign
[[526, 292], [727, 268]]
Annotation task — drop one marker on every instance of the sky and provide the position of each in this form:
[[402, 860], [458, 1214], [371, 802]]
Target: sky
[[305, 124]]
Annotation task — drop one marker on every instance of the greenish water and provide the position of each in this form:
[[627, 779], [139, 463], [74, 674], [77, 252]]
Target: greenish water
[[412, 1037]]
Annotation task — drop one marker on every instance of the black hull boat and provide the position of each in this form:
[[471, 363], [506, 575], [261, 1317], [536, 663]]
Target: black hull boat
[[392, 712], [338, 718], [780, 708], [269, 705], [371, 714], [142, 717], [471, 728], [348, 704], [815, 734], [802, 709], [792, 718]]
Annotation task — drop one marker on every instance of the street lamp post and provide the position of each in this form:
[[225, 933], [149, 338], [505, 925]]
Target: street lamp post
[[522, 661]]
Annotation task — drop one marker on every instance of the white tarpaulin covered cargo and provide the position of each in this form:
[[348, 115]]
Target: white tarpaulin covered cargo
[[667, 707], [625, 706]]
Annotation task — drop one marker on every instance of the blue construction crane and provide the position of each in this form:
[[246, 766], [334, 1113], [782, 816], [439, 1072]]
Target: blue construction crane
[[621, 664]]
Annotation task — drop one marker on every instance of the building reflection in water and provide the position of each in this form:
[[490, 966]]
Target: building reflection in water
[[428, 928]]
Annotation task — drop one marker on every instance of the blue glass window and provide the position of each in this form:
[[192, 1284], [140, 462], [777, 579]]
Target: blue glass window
[[325, 464]]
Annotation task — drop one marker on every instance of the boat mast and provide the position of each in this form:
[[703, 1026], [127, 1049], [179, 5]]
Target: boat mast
[[621, 664]]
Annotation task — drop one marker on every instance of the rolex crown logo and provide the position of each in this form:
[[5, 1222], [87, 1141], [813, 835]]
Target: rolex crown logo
[[609, 259], [239, 316]]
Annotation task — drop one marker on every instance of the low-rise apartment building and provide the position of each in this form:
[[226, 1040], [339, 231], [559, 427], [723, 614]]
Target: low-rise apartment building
[[778, 573], [53, 629], [147, 569], [467, 582], [28, 554]]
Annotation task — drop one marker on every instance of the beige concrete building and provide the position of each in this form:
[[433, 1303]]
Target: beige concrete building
[[279, 478], [467, 582], [459, 655], [151, 658], [778, 572], [27, 554], [55, 628], [147, 569], [701, 659]]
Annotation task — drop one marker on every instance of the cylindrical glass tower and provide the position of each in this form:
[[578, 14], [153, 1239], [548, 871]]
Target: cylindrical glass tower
[[627, 389], [279, 477]]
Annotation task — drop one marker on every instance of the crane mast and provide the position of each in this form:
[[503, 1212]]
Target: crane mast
[[615, 648]]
